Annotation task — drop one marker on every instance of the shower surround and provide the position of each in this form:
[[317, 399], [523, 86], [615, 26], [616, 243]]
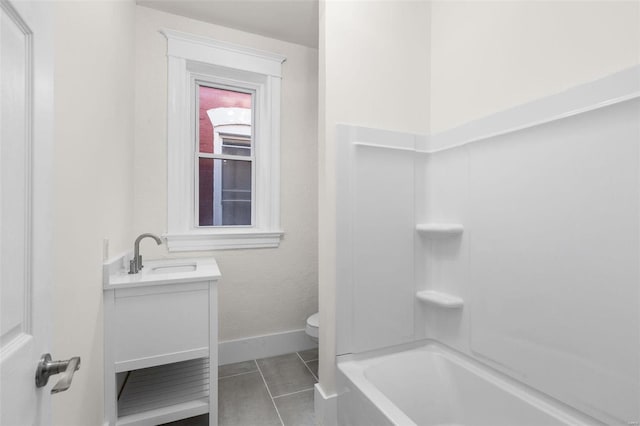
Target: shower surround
[[510, 244]]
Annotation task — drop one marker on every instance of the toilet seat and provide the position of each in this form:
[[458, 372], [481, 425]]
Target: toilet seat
[[313, 324]]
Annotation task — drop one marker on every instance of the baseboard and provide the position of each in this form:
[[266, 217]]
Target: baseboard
[[325, 407], [264, 346]]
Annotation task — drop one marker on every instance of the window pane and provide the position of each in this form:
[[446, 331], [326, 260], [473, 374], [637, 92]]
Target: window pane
[[225, 192], [206, 192], [236, 192], [234, 105], [235, 145]]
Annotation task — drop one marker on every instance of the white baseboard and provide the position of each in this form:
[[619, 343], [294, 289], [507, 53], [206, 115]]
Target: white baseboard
[[325, 407], [264, 346]]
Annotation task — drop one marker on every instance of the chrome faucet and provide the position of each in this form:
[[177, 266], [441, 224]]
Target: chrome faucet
[[136, 263]]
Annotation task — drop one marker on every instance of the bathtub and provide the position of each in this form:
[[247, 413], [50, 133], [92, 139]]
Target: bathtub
[[432, 385]]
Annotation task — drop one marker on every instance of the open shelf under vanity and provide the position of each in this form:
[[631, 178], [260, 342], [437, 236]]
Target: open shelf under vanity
[[161, 393]]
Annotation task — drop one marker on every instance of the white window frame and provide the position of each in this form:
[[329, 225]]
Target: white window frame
[[192, 59]]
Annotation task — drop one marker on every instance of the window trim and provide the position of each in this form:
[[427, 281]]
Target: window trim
[[193, 58]]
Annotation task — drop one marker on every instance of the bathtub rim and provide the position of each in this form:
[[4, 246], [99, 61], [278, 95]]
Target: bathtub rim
[[353, 367]]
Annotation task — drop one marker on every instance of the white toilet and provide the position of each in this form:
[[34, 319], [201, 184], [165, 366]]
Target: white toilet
[[313, 325]]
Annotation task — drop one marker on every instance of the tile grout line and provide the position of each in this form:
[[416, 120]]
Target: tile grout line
[[238, 374], [269, 392], [305, 364], [293, 393]]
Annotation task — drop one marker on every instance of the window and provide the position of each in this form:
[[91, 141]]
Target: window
[[223, 145], [225, 157]]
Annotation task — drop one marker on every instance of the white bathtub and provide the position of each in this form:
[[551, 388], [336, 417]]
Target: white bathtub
[[431, 385]]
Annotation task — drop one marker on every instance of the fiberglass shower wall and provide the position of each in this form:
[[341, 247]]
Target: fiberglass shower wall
[[513, 239]]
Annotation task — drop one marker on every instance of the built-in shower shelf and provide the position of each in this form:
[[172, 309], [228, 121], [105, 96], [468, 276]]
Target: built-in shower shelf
[[438, 298], [442, 229], [165, 393]]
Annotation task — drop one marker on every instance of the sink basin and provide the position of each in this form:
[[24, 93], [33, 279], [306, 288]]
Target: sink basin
[[172, 269]]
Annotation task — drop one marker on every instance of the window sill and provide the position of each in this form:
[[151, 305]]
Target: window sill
[[223, 240]]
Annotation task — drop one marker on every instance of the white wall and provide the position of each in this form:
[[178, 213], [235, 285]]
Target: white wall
[[94, 62], [374, 68], [263, 290], [487, 56]]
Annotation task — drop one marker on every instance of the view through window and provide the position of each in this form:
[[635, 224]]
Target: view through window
[[225, 157]]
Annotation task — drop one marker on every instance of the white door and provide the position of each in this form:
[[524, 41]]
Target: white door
[[26, 138]]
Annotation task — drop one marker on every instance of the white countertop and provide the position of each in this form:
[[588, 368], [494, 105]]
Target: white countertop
[[159, 271]]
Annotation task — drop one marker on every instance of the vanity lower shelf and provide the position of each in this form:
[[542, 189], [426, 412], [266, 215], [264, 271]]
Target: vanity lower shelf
[[164, 393]]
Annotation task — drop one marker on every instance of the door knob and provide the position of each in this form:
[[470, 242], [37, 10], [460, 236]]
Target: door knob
[[47, 368]]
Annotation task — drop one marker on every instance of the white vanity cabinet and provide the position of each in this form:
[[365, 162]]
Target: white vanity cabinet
[[161, 334]]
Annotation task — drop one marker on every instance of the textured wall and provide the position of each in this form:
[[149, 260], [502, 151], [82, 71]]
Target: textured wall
[[490, 55], [263, 290], [94, 65]]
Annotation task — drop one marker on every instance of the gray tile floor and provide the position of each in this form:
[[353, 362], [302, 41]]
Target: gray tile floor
[[274, 391]]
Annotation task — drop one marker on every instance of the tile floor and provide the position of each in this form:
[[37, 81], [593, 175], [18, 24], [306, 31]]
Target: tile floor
[[274, 391]]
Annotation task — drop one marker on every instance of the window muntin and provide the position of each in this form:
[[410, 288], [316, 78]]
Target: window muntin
[[225, 157]]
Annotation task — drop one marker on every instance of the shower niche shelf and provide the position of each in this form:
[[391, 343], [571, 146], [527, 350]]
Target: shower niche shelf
[[440, 229], [437, 298]]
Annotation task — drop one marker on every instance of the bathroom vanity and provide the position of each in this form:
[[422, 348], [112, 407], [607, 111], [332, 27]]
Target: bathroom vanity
[[160, 339]]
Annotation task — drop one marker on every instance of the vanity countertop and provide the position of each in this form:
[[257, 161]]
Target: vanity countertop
[[159, 271]]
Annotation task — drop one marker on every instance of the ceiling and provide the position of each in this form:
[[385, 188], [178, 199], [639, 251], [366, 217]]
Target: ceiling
[[295, 21]]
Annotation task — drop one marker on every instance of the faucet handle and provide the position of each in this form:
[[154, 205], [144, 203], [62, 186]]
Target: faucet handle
[[139, 264], [133, 269]]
